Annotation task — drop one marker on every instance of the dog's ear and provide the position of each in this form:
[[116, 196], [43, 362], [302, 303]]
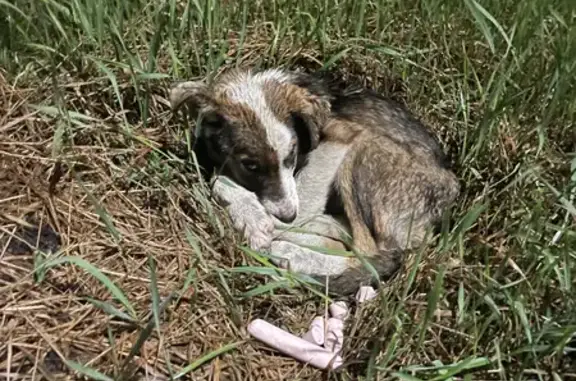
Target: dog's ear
[[310, 120], [196, 96], [192, 93], [313, 110]]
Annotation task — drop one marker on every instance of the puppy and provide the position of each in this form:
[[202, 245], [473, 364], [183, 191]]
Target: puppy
[[294, 149], [254, 131]]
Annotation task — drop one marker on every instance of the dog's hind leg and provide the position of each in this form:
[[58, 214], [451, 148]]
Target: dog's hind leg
[[391, 196]]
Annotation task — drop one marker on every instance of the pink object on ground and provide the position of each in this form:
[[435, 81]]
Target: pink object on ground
[[308, 349], [293, 346], [365, 293], [315, 334], [334, 335], [339, 310]]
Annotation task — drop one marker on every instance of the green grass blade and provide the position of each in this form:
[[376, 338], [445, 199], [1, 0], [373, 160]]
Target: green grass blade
[[202, 360], [335, 58], [102, 213], [111, 310], [154, 293], [433, 299], [96, 273], [86, 371], [266, 288], [473, 6], [147, 331], [405, 377], [468, 364]]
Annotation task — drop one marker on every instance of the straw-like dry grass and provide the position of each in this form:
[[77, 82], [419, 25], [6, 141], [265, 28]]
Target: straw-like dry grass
[[136, 273]]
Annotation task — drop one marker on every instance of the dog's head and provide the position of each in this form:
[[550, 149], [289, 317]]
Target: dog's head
[[257, 127]]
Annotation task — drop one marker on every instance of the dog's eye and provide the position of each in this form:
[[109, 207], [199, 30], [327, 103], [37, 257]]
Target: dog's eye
[[250, 165]]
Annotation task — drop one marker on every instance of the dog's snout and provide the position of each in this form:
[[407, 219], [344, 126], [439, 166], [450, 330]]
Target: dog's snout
[[284, 211], [288, 218]]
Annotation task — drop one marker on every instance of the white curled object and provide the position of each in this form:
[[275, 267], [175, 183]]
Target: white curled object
[[293, 346], [339, 310], [315, 334], [334, 340], [365, 293]]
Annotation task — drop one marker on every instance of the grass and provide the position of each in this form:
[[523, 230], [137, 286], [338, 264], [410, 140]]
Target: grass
[[149, 281]]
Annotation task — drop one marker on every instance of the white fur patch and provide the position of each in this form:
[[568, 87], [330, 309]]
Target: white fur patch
[[247, 89], [306, 261], [314, 182]]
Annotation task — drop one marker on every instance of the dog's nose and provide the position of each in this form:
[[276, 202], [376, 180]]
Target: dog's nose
[[288, 218]]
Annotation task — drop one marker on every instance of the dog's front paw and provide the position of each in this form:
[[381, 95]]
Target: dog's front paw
[[257, 226]]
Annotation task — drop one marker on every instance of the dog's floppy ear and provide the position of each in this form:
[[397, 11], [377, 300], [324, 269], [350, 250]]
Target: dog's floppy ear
[[309, 121], [196, 95], [313, 111]]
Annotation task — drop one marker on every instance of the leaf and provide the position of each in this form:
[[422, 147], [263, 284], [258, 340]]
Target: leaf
[[481, 22], [151, 76], [304, 278], [104, 216], [412, 274], [469, 219], [452, 370], [335, 58], [145, 334], [519, 308], [156, 306], [58, 140], [461, 303], [405, 377], [190, 277], [13, 7], [491, 18], [254, 270], [112, 79], [154, 292], [492, 305], [73, 115], [262, 259], [433, 298], [573, 169]]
